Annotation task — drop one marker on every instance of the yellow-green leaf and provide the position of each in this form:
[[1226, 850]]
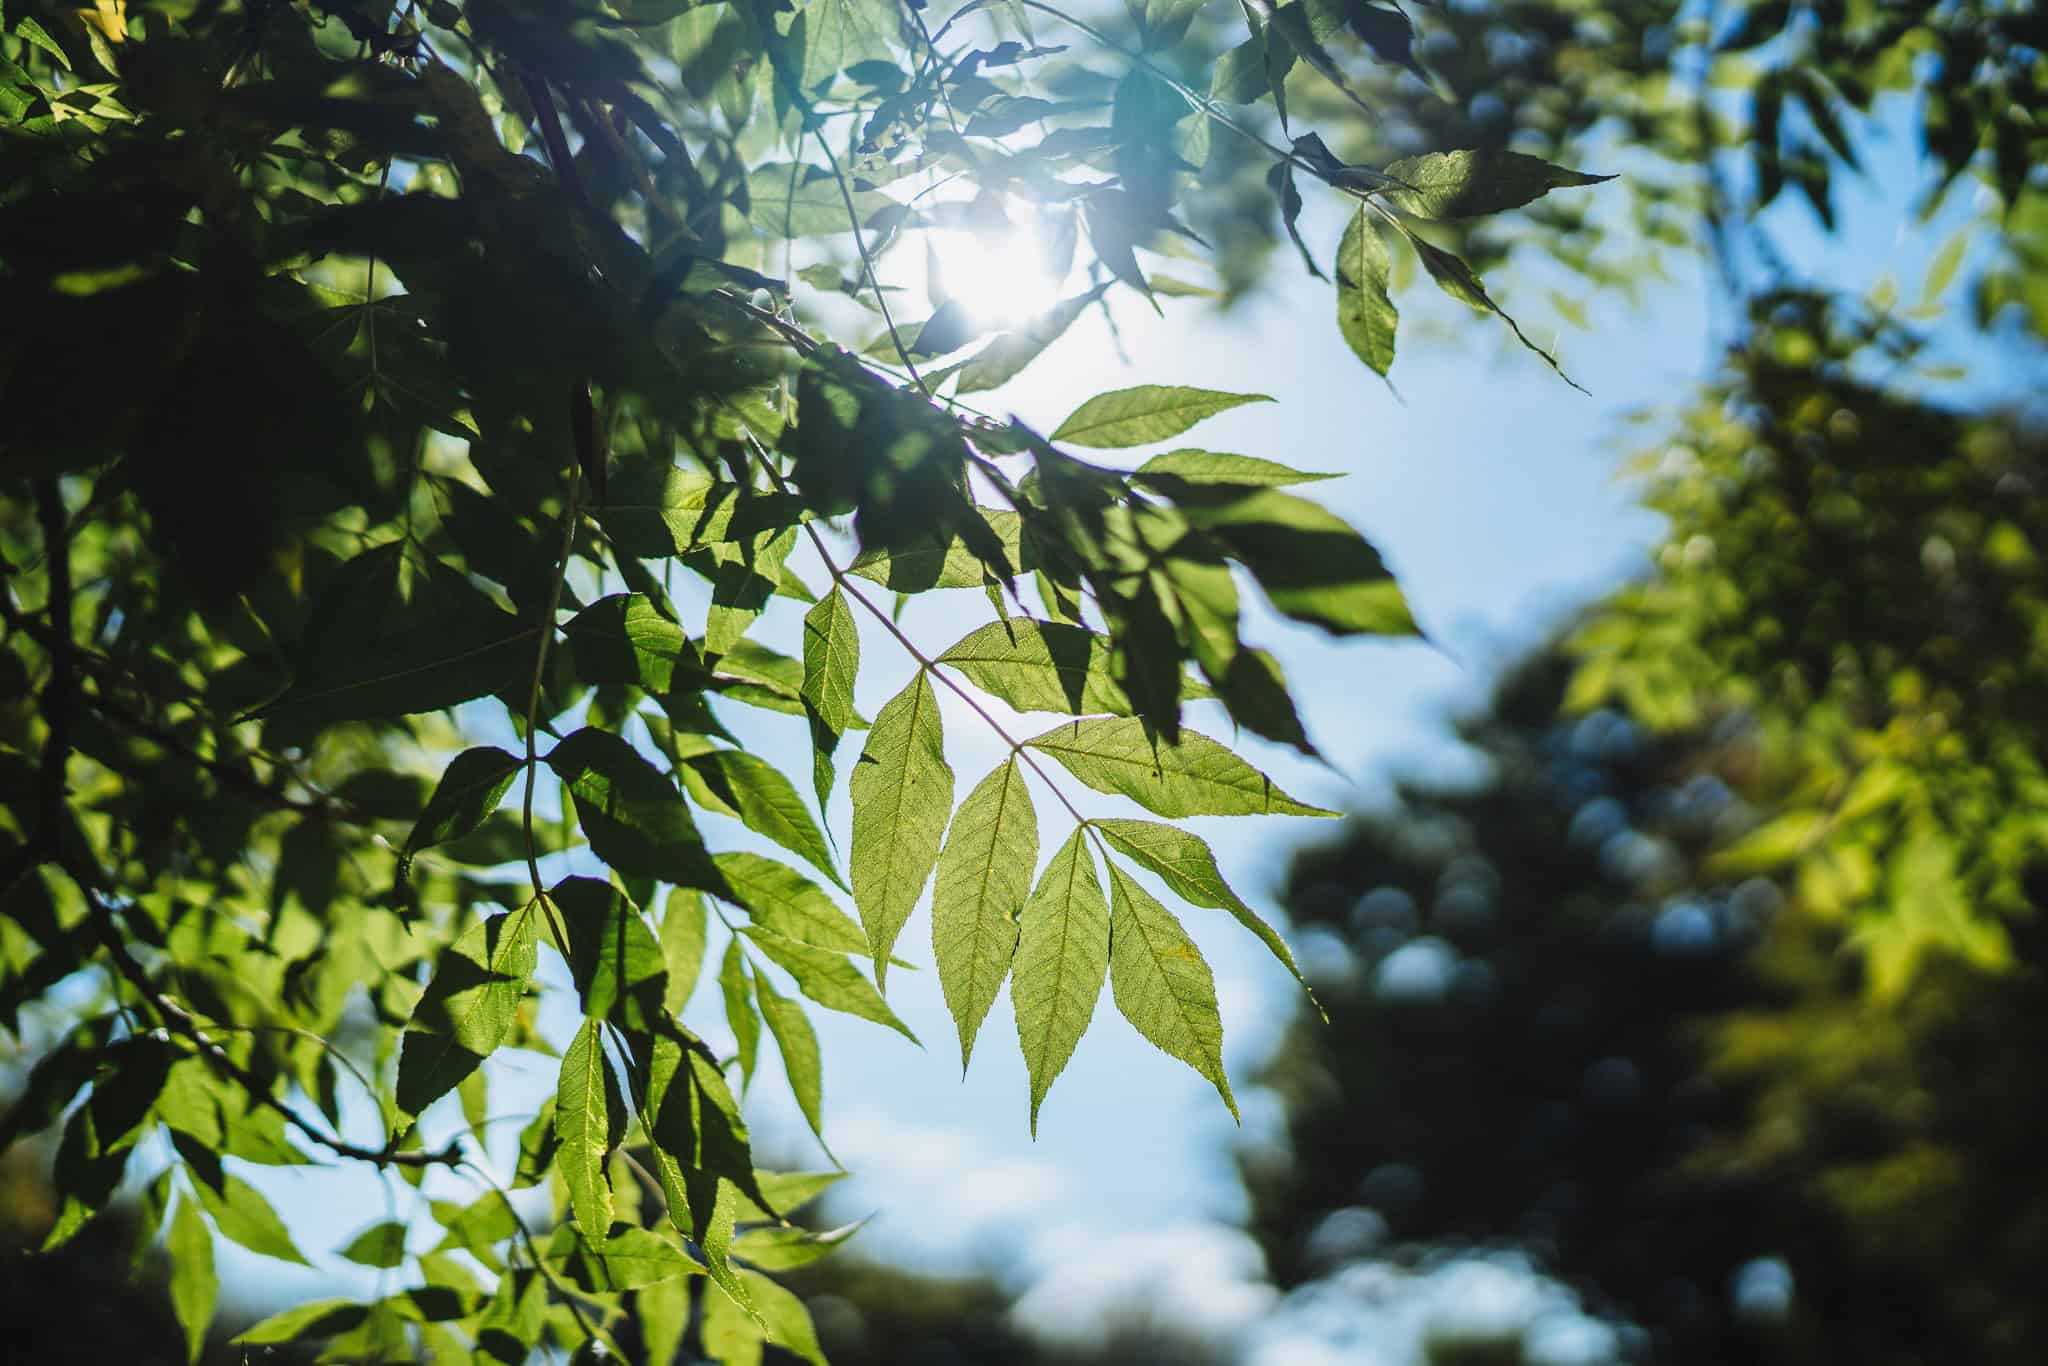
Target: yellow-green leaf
[[1196, 777], [1062, 960], [902, 792], [1161, 983], [984, 876]]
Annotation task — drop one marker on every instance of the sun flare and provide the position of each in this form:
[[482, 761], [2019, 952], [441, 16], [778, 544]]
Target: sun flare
[[999, 276]]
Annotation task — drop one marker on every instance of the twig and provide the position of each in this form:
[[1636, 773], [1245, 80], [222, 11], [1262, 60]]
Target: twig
[[930, 666], [570, 513]]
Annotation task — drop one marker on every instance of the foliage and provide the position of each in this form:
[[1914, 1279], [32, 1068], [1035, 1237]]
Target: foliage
[[385, 366], [1860, 572], [1557, 1019]]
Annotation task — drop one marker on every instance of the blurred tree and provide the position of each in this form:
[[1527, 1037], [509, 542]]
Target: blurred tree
[[1556, 1025]]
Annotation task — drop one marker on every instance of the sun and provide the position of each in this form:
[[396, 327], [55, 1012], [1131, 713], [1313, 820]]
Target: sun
[[998, 275]]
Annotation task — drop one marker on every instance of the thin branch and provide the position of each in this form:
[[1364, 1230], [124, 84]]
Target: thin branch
[[180, 1022], [930, 666], [571, 511]]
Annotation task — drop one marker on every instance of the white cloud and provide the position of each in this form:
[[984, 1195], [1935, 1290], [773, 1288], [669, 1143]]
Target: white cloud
[[1200, 1282]]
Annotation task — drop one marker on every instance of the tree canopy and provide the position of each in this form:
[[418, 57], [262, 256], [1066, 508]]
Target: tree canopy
[[420, 408], [423, 405]]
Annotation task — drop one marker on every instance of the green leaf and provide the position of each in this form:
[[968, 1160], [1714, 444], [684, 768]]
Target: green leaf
[[194, 1286], [625, 638], [683, 933], [1146, 413], [1203, 469], [902, 791], [1187, 865], [1469, 183], [663, 1309], [1041, 666], [632, 814], [735, 1339], [805, 201], [828, 978], [382, 658], [614, 958], [1161, 983], [625, 1259], [798, 1043], [788, 1192], [1062, 960], [512, 1322], [1365, 311], [983, 877], [657, 509], [1941, 271], [940, 560], [468, 1007], [735, 783], [583, 1127], [1003, 359], [1456, 279], [380, 1245], [740, 1014], [1196, 777], [242, 1215], [784, 1249], [470, 789], [1311, 563], [831, 662], [320, 1319], [779, 898]]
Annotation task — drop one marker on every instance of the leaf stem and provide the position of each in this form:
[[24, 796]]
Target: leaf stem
[[930, 666], [570, 513]]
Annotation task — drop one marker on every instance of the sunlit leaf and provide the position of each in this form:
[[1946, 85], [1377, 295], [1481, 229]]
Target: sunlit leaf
[[1062, 961], [1040, 666], [468, 1007], [1195, 777], [583, 1127], [1161, 983], [798, 1044], [1469, 183], [984, 874], [902, 791], [1146, 413], [194, 1286]]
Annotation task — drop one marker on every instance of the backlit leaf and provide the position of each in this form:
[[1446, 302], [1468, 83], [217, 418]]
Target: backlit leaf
[[779, 898], [1186, 864], [1196, 777], [750, 788], [194, 1286], [583, 1127], [380, 1245], [632, 814], [683, 933], [828, 978], [983, 877], [468, 1007], [1161, 983], [902, 791], [1040, 666], [1062, 960], [1189, 467], [798, 1043], [741, 1016], [1311, 563], [1469, 183], [1146, 413], [242, 1215], [470, 789], [1365, 311]]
